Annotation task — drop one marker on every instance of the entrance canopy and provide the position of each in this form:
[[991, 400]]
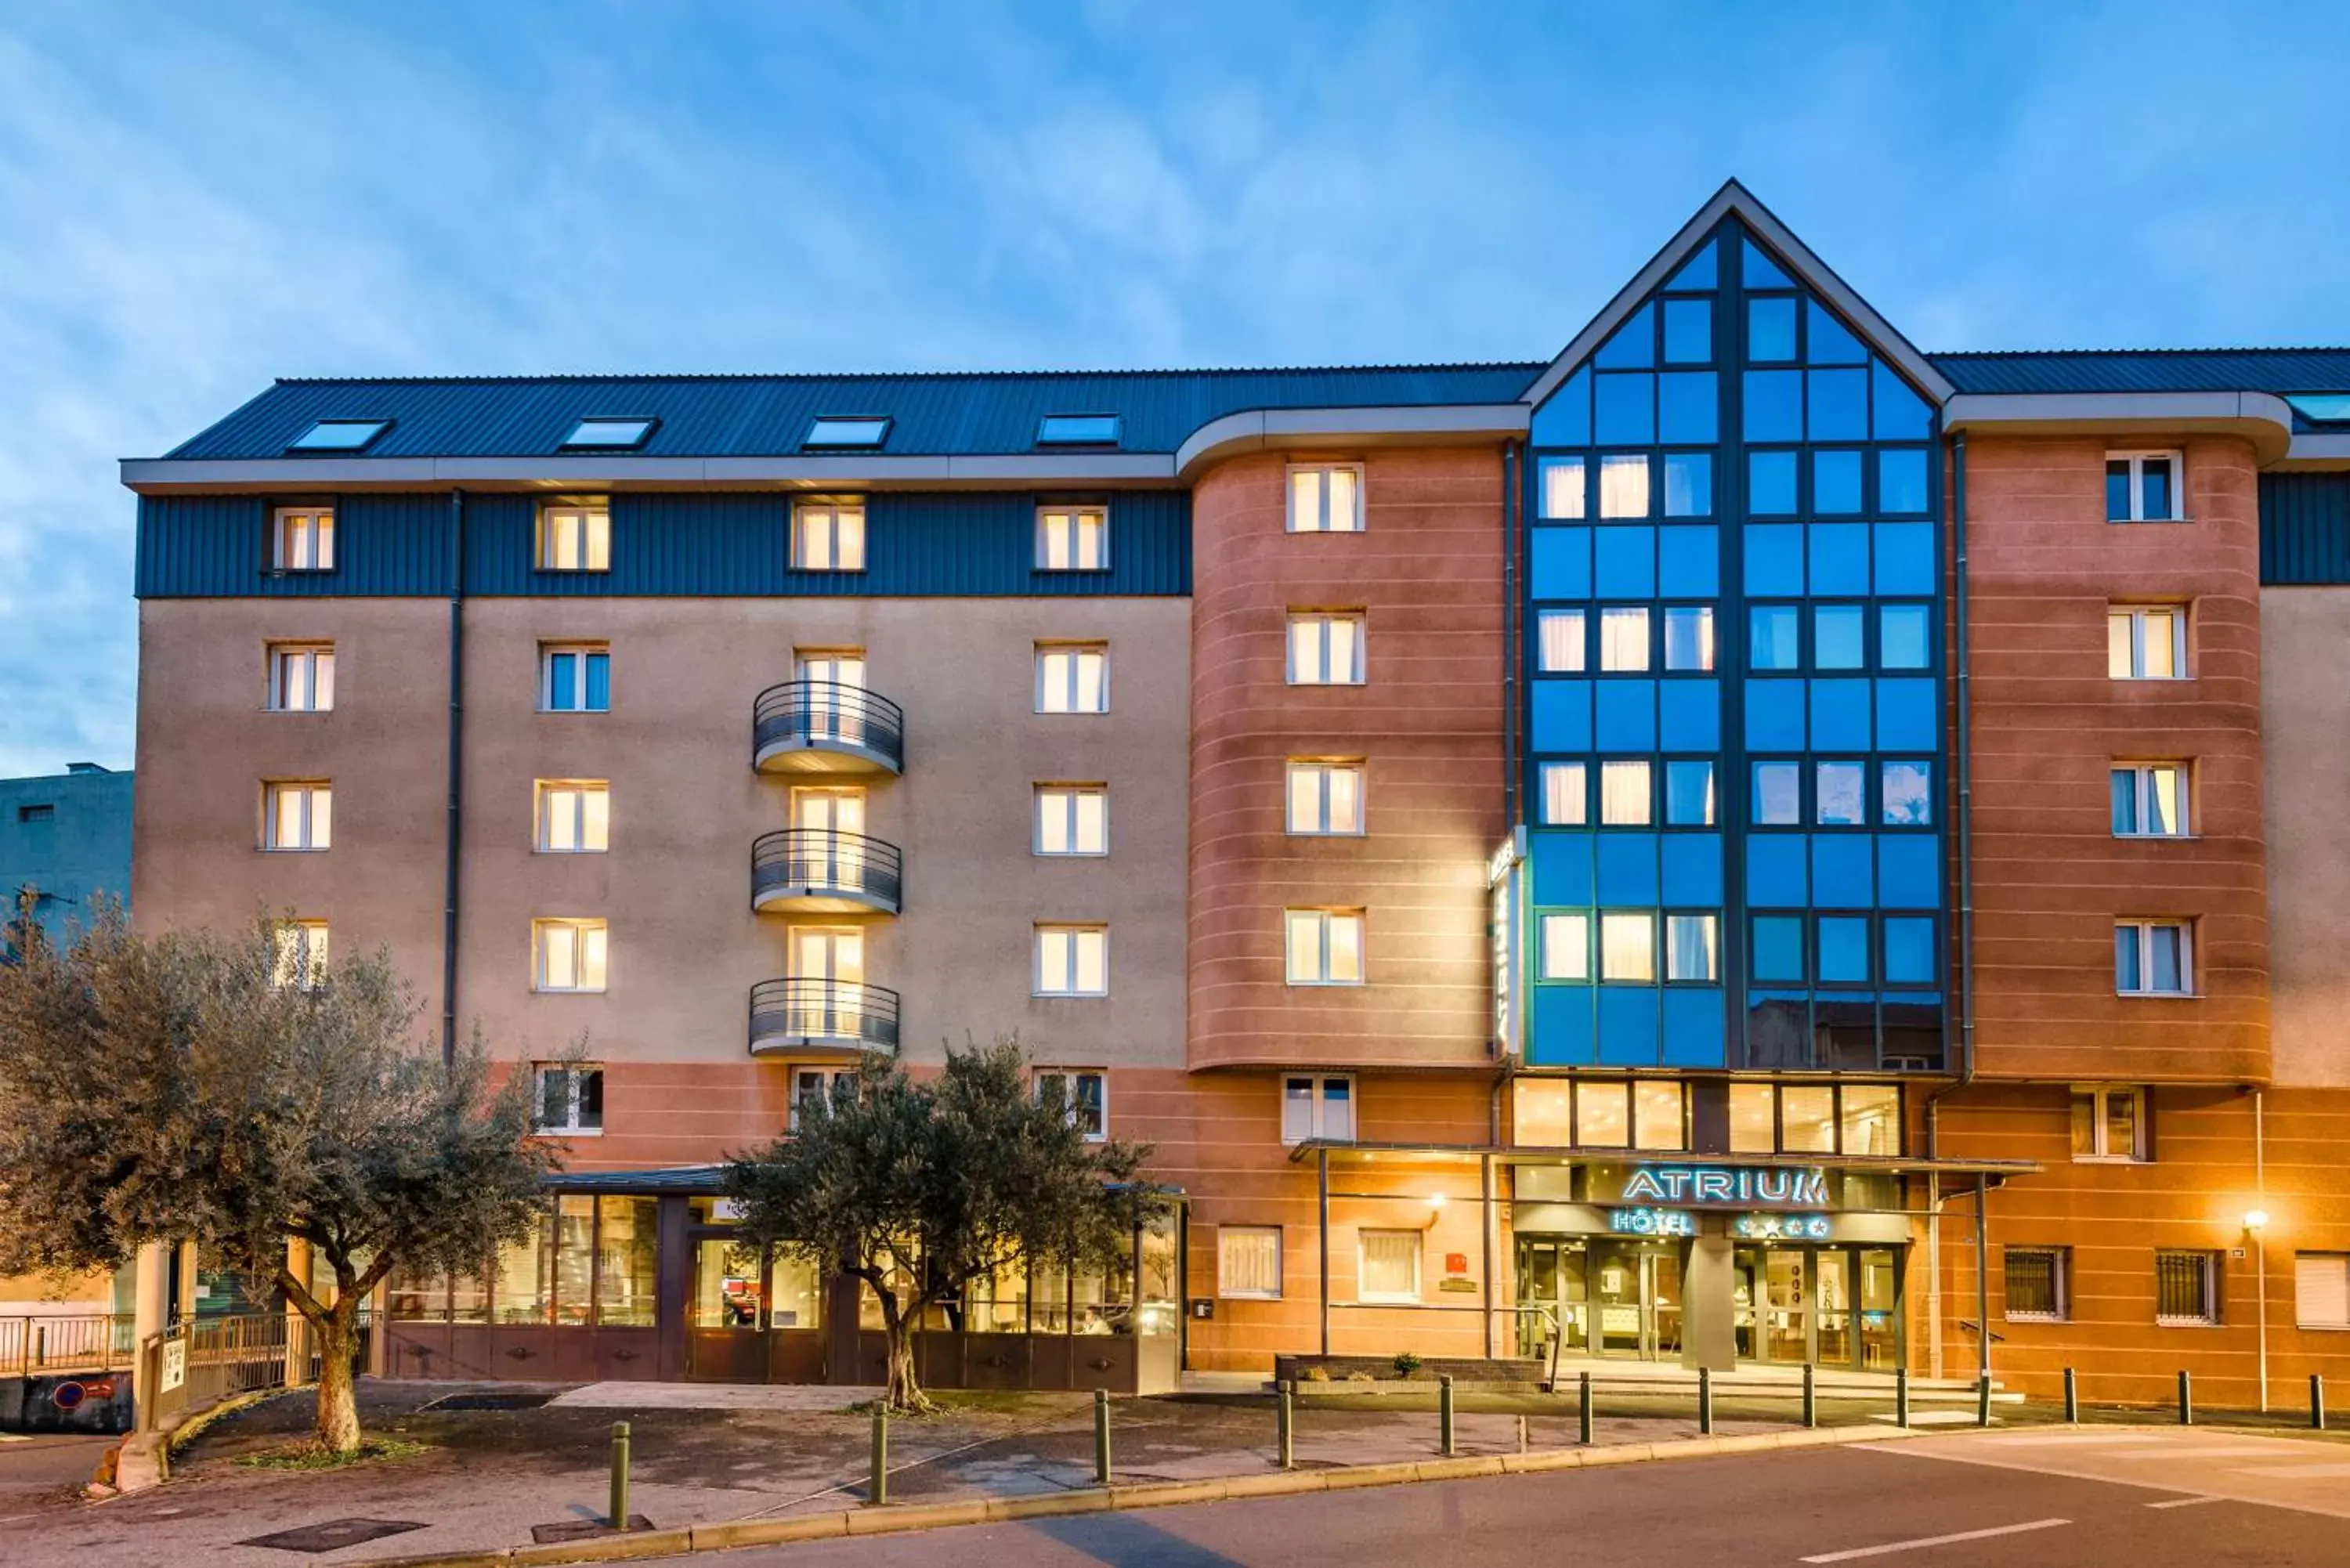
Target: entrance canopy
[[1400, 1155]]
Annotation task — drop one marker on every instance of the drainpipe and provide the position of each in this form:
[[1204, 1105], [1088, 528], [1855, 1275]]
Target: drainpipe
[[456, 776], [1512, 519]]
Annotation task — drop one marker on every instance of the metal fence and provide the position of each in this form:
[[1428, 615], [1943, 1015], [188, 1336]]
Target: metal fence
[[193, 1367], [66, 1342]]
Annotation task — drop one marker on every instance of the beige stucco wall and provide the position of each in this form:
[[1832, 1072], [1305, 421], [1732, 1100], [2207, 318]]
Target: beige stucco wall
[[676, 748], [2305, 736]]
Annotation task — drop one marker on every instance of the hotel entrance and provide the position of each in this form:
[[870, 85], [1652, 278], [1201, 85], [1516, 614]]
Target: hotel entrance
[[1833, 1306], [1601, 1296]]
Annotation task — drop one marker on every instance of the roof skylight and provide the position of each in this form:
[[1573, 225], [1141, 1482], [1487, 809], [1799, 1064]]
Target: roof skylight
[[2323, 408], [836, 432], [1077, 429], [609, 435], [338, 435]]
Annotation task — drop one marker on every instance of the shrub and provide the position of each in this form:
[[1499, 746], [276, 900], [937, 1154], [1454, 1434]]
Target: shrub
[[1407, 1365]]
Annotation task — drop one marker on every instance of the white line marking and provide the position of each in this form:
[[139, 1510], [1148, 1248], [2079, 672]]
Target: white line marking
[[2181, 1451], [2296, 1473], [1846, 1556], [2187, 1502]]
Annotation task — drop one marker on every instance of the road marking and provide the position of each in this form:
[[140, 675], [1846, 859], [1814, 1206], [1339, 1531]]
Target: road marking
[[2240, 1451], [1847, 1555], [2187, 1502], [2296, 1473], [2023, 1441]]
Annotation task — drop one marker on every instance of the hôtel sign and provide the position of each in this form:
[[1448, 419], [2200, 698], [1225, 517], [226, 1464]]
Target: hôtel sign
[[1727, 1187]]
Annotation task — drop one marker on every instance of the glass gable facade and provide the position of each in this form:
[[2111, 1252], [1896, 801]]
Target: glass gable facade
[[1734, 677]]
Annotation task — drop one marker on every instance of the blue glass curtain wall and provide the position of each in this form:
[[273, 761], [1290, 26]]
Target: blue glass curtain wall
[[1734, 694]]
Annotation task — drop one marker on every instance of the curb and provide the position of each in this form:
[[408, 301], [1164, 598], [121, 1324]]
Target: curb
[[889, 1521]]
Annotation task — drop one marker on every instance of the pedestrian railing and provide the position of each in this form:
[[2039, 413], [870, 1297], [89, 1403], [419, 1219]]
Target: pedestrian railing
[[64, 1342], [191, 1366]]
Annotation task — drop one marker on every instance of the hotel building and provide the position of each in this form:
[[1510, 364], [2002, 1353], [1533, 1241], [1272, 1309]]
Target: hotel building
[[1744, 841]]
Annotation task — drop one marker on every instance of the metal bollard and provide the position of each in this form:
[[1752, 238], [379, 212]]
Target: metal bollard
[[1900, 1395], [1811, 1398], [877, 1491], [1982, 1399], [2318, 1401], [618, 1517], [2072, 1397], [2186, 1398], [1582, 1410], [1521, 1434], [1287, 1427], [1101, 1436], [1444, 1414], [1704, 1400]]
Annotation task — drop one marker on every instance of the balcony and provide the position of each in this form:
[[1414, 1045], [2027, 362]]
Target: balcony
[[822, 1017], [823, 871], [826, 727]]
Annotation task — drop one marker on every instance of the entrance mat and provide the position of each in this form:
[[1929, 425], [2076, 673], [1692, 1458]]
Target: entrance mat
[[582, 1530], [335, 1534], [487, 1402]]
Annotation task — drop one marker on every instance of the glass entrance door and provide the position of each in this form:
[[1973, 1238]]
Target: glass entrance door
[[1636, 1299], [1786, 1305], [1880, 1309], [1835, 1307]]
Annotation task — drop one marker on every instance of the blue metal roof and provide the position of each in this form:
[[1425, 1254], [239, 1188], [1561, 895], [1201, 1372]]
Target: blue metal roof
[[766, 416], [2151, 370]]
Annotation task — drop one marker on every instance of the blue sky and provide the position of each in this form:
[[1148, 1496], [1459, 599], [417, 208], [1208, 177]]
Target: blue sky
[[196, 199]]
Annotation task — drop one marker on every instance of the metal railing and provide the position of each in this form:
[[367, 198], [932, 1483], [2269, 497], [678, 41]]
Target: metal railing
[[829, 716], [70, 1342], [191, 1366], [823, 1013], [826, 863]]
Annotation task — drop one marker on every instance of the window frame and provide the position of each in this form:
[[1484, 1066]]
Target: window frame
[[1325, 770], [2142, 777], [543, 819], [1325, 917], [2340, 1260], [1578, 649], [1837, 1117], [1225, 1291], [828, 1082], [830, 509], [1075, 652], [1070, 795], [1359, 519], [2060, 1284], [2137, 458], [2101, 1095], [2180, 615], [1046, 435], [1074, 1077], [578, 1078], [646, 424], [1074, 515], [2146, 926], [1317, 1102], [312, 974], [1362, 1265], [595, 536], [312, 841], [1322, 621], [819, 425], [1076, 931], [303, 444], [2211, 1314], [548, 654], [321, 533], [580, 927], [275, 657]]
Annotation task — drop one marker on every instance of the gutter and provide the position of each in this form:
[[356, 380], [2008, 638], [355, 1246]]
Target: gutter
[[456, 776]]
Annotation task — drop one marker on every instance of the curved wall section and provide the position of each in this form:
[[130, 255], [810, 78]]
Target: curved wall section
[[1426, 572]]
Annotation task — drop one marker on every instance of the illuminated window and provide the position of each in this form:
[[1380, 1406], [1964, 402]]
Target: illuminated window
[[2186, 1287], [1072, 961], [303, 539], [1325, 798], [575, 816], [570, 955], [1566, 798], [1317, 1105], [1808, 1122], [1326, 947], [1072, 820], [301, 677], [575, 537], [1327, 499], [1627, 947], [301, 955], [2149, 800], [1561, 489], [1659, 1114], [2038, 1284], [1603, 1114], [1326, 650], [1754, 1119], [2143, 487], [1073, 678], [297, 815], [1072, 538], [828, 537], [2321, 1288], [1559, 641], [1390, 1266], [1567, 947], [1624, 639], [1868, 1119], [1624, 486], [2110, 1124], [1626, 796], [2146, 642], [1248, 1262]]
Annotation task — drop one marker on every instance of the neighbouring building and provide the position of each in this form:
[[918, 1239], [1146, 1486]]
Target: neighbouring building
[[1744, 841]]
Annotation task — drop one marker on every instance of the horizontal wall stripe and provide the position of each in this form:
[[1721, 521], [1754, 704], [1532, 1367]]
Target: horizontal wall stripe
[[2305, 528], [917, 545]]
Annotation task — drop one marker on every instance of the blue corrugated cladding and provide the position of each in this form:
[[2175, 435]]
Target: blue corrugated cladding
[[2305, 528], [2151, 370], [917, 545]]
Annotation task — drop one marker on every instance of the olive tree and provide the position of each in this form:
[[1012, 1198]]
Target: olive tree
[[917, 1188], [227, 1089]]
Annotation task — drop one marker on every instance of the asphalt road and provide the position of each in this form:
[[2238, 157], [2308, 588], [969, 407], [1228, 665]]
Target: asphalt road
[[1864, 1505]]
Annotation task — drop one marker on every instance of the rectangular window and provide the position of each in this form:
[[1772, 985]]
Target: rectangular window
[[1691, 947], [39, 811], [1326, 947], [1077, 429], [1083, 1094], [828, 537], [1624, 639], [1326, 650], [2143, 487], [1072, 820], [1561, 489], [1072, 961], [2321, 1290], [1318, 1107], [1754, 1119], [297, 815], [819, 1091], [574, 678], [2153, 958], [2038, 1289], [1565, 795], [1659, 1114], [575, 816], [2110, 1124], [1603, 1114], [2186, 1287], [1688, 637], [1627, 947], [303, 539], [1248, 1262], [627, 1260], [1567, 947], [1325, 799], [1868, 1119], [2149, 800], [1073, 678], [301, 677], [1559, 642], [570, 1098], [1626, 798], [570, 955], [1771, 640], [2146, 642], [1327, 499], [1688, 795], [574, 536], [301, 955], [1072, 538], [1390, 1266], [1807, 1122], [1624, 486]]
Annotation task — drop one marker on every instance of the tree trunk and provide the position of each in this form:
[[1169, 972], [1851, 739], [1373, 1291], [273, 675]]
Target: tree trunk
[[338, 1399], [904, 1391]]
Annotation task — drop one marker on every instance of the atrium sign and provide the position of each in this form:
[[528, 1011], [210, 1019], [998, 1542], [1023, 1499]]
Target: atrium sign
[[1728, 1186]]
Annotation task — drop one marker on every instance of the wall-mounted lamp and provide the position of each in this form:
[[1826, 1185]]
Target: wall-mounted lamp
[[2256, 1220]]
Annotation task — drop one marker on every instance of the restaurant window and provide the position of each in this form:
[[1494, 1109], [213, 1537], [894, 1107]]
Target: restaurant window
[[795, 1289], [1659, 1114], [2037, 1286], [1318, 1107], [2186, 1288], [1603, 1114], [1247, 1262], [1390, 1266], [2110, 1123], [628, 1255]]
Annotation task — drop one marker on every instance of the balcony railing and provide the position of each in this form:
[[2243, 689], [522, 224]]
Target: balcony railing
[[821, 1015], [824, 870], [826, 726]]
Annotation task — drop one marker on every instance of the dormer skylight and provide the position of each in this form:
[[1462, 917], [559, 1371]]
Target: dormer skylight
[[1077, 429], [608, 434], [338, 435], [832, 433]]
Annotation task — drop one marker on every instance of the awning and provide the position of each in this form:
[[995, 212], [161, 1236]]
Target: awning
[[1374, 1155]]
